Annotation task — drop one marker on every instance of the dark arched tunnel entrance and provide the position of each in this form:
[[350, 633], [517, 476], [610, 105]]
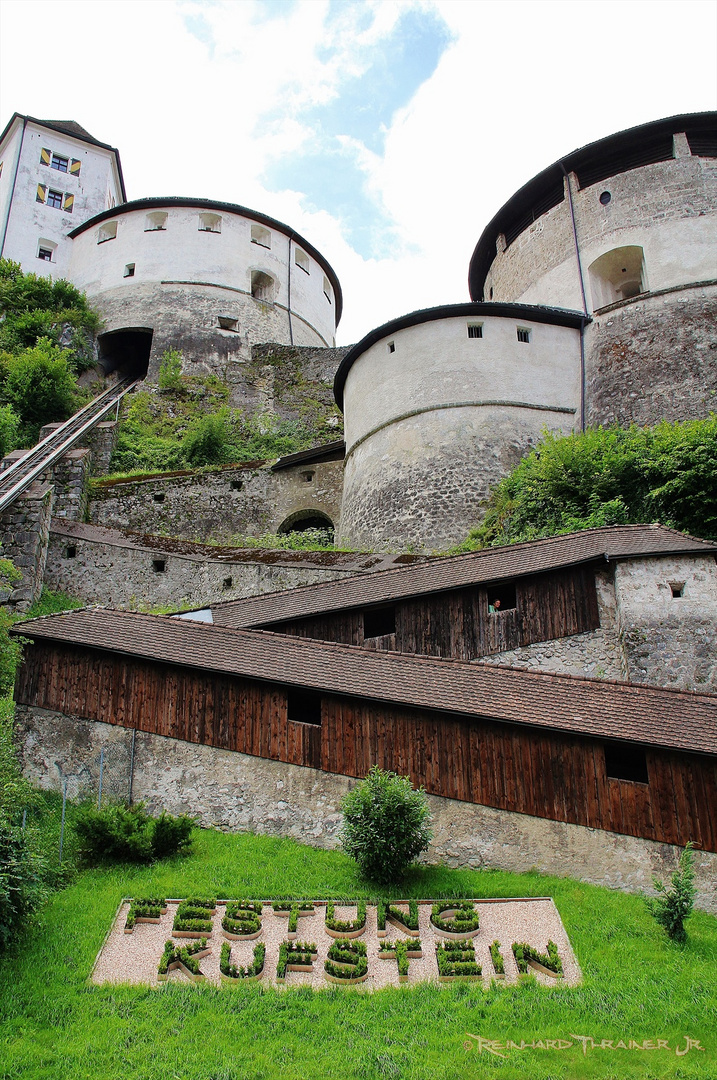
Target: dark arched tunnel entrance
[[126, 352]]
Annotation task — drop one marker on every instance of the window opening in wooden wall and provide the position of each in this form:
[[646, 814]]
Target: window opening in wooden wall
[[377, 622], [304, 707], [626, 762], [523, 334], [678, 589], [501, 597], [475, 330], [260, 236], [129, 270], [159, 565]]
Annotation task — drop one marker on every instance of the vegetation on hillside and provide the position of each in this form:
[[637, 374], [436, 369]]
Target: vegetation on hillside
[[608, 476], [187, 423], [46, 341]]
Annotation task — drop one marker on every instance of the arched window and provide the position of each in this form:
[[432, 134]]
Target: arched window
[[260, 236], [262, 286], [210, 223], [156, 221], [308, 519], [617, 275]]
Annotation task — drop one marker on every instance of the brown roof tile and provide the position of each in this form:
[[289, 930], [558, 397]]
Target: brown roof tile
[[670, 718], [438, 575]]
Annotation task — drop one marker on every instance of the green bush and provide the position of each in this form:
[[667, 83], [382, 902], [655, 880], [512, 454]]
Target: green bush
[[207, 440], [608, 476], [386, 825], [127, 833], [40, 386], [9, 429], [21, 881], [674, 904], [170, 370]]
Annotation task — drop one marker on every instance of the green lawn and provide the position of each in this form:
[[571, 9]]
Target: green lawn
[[637, 985]]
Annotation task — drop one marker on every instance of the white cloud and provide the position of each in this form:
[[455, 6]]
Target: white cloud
[[200, 97]]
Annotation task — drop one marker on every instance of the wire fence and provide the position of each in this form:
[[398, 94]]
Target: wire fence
[[47, 817]]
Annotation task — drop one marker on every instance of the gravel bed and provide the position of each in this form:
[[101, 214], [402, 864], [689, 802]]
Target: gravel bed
[[133, 958]]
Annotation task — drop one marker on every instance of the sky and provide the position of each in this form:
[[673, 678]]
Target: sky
[[387, 132]]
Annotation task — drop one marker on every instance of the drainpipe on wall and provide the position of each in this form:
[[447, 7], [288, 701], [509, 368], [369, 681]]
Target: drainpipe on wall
[[288, 298], [581, 278], [12, 190]]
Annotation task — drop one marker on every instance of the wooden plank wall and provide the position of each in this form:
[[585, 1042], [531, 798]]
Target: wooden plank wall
[[550, 775], [458, 624]]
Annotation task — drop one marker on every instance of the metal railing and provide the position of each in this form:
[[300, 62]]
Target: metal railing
[[18, 477]]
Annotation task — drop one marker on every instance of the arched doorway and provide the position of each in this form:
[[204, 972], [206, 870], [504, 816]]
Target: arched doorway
[[126, 352], [308, 519]]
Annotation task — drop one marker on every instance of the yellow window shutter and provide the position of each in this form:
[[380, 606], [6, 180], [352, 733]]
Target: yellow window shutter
[[41, 192], [45, 156], [75, 167], [67, 203]]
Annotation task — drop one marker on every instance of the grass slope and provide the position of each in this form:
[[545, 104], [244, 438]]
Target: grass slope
[[636, 985]]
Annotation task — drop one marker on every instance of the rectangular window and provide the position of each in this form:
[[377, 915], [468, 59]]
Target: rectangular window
[[523, 334], [210, 223], [260, 236], [392, 346], [54, 199], [304, 707], [475, 330], [156, 221], [327, 289], [302, 260], [501, 597], [129, 270], [626, 762], [45, 254], [378, 622], [159, 565], [60, 163]]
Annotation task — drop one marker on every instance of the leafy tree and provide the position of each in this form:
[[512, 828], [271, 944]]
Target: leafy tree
[[35, 307], [9, 647], [9, 429], [608, 476], [386, 825], [39, 385], [675, 901]]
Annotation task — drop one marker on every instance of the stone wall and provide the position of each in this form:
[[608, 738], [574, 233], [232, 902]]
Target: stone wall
[[100, 441], [669, 640], [219, 504], [70, 475], [25, 528], [653, 359], [231, 791], [106, 566]]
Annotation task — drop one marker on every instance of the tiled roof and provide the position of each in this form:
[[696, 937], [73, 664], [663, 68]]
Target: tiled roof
[[438, 575], [669, 718]]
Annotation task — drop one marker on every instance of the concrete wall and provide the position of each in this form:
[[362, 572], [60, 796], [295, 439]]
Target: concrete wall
[[232, 791], [186, 278], [207, 505], [30, 221], [669, 641], [433, 425]]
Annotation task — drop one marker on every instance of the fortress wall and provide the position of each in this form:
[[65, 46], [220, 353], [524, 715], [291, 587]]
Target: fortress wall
[[120, 572], [669, 641], [208, 505], [667, 208], [232, 791], [433, 425], [653, 358]]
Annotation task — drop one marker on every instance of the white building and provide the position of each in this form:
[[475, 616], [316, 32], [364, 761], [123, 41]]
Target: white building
[[53, 176]]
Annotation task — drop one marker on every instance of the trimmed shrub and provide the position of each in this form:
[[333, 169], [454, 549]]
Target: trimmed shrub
[[386, 825], [119, 833]]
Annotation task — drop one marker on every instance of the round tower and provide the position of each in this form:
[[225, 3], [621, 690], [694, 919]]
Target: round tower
[[209, 278], [442, 403], [625, 230]]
